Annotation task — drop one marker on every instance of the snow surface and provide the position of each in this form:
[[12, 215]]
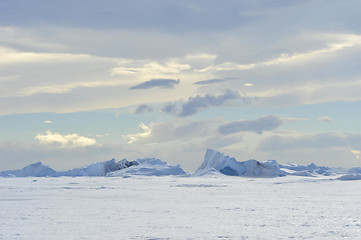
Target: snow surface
[[138, 207], [129, 200]]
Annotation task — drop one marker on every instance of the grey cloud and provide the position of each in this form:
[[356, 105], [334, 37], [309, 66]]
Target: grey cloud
[[257, 126], [194, 104], [170, 108], [143, 108], [161, 83]]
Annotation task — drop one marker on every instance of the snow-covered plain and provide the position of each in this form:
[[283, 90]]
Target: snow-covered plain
[[149, 199], [169, 207]]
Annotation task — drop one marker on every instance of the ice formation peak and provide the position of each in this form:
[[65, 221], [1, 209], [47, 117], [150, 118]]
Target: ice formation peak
[[215, 160]]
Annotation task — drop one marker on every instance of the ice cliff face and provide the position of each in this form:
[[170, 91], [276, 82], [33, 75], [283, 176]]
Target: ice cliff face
[[214, 160]]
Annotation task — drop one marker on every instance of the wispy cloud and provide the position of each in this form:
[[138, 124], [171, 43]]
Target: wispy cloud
[[160, 83], [65, 141], [212, 81], [258, 126], [325, 119]]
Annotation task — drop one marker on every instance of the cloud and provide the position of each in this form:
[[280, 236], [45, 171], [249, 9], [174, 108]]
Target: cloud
[[175, 130], [140, 136], [194, 104], [64, 141], [325, 119], [161, 83], [143, 108], [212, 81], [170, 108], [258, 126], [49, 122]]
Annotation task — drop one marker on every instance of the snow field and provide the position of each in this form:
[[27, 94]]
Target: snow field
[[221, 207]]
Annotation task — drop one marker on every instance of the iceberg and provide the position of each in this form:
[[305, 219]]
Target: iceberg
[[33, 170], [217, 161], [311, 170], [98, 168], [149, 167], [110, 168]]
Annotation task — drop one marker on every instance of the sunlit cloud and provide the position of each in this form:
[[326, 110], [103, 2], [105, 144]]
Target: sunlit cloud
[[357, 153], [139, 136], [337, 42], [64, 141]]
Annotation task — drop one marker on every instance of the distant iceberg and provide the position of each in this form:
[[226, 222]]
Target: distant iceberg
[[214, 163], [149, 167], [217, 161], [33, 170], [110, 168], [98, 168]]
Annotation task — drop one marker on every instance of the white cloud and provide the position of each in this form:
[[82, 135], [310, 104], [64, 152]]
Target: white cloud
[[48, 122], [140, 136], [64, 141]]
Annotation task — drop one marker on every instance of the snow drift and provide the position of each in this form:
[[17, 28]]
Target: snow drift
[[214, 160]]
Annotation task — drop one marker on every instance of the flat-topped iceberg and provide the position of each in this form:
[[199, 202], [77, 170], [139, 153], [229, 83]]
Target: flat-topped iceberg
[[149, 167]]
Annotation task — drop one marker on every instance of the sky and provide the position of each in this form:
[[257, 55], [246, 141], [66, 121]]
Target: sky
[[84, 81]]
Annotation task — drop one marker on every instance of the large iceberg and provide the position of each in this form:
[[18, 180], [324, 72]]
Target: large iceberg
[[33, 170], [217, 161], [149, 167], [98, 168]]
